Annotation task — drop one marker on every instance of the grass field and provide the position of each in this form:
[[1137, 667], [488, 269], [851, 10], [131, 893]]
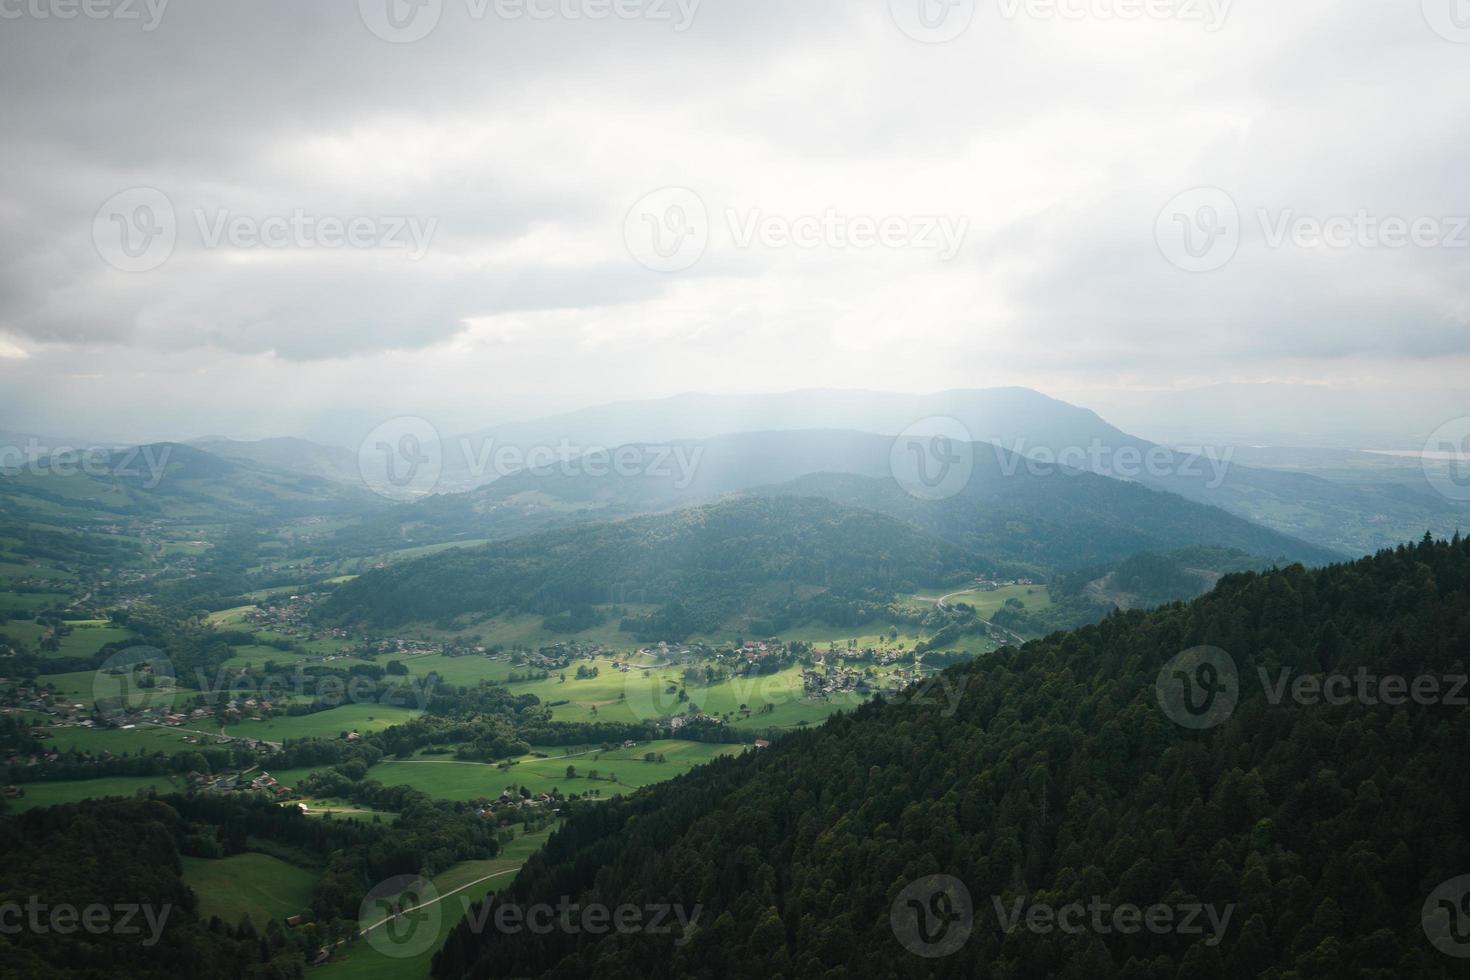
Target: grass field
[[448, 779], [74, 791], [986, 604], [77, 684], [25, 631], [13, 570], [255, 885], [229, 617], [641, 694], [361, 960], [31, 601], [620, 771], [361, 718], [86, 638], [117, 741]]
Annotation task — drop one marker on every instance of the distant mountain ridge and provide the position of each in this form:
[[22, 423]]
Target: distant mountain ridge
[[1014, 515], [1006, 520], [1344, 514], [752, 440], [699, 565], [298, 455]]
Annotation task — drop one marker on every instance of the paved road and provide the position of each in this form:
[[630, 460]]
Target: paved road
[[441, 898], [195, 731], [1016, 636]]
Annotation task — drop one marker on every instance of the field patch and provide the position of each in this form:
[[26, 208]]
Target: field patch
[[360, 961], [76, 790], [255, 885], [361, 718]]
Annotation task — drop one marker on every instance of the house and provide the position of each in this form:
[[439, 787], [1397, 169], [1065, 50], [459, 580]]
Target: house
[[761, 743], [294, 920]]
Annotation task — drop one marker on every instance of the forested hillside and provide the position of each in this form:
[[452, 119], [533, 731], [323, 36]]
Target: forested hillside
[[120, 857], [1317, 828], [705, 559], [1061, 521]]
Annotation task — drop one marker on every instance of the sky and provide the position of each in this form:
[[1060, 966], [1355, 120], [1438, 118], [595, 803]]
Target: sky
[[288, 218]]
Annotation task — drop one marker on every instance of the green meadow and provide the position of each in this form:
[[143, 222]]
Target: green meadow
[[255, 885], [86, 638], [74, 791], [12, 602], [142, 739], [618, 771], [361, 718], [363, 960]]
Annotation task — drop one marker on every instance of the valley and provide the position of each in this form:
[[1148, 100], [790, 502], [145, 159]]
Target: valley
[[240, 636]]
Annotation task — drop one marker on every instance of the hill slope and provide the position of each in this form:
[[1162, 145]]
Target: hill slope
[[1315, 833], [1042, 519], [700, 563], [1058, 522], [170, 481], [1354, 516]]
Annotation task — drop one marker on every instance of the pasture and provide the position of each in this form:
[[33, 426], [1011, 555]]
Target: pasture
[[618, 771], [74, 791], [360, 718], [255, 885], [361, 960], [89, 636]]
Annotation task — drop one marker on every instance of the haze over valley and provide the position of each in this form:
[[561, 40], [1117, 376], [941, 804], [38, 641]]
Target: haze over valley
[[704, 489]]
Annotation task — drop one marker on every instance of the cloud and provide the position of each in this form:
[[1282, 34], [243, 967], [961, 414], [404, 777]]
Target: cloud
[[522, 143]]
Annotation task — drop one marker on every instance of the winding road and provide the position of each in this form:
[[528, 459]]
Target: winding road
[[424, 905], [1018, 638]]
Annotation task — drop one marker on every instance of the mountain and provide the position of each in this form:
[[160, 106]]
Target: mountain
[[947, 833], [1009, 415], [699, 565], [1344, 514], [1058, 522], [1005, 520], [168, 481], [1044, 518], [294, 455], [1350, 516]]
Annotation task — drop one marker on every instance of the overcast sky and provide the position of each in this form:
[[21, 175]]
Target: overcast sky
[[299, 218]]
